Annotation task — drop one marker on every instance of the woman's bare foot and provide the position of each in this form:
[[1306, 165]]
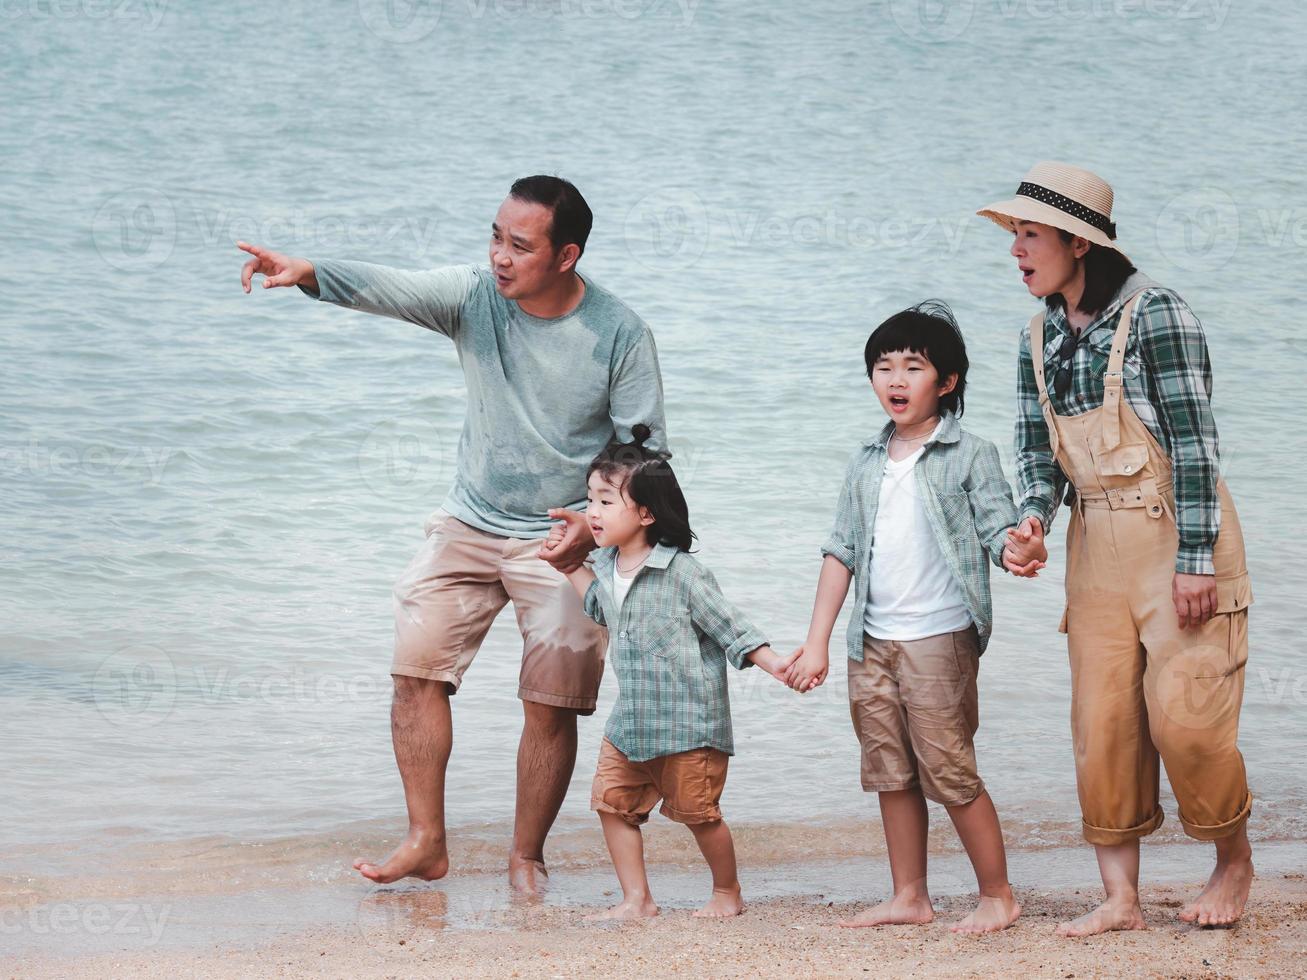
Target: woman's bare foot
[[901, 910], [722, 905], [1112, 915], [421, 854], [1221, 903], [642, 907], [993, 913], [528, 877]]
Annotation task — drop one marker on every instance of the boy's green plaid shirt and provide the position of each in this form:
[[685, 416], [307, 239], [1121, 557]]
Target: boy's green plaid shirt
[[669, 645], [1168, 383], [968, 503]]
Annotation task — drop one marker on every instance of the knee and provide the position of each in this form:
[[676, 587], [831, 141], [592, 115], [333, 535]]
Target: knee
[[549, 721], [415, 690]]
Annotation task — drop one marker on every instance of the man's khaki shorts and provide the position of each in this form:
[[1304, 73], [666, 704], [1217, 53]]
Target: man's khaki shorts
[[458, 583], [915, 711], [690, 785]]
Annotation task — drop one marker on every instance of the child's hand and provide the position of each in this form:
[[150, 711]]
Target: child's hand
[[1025, 553], [772, 662], [809, 665], [568, 543]]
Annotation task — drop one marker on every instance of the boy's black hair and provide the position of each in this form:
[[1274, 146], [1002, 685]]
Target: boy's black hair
[[571, 215], [1106, 271], [930, 330], [647, 479]]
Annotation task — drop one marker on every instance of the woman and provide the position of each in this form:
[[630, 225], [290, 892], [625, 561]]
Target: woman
[[1116, 412]]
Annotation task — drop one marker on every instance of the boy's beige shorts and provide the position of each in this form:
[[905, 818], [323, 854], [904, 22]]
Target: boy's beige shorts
[[689, 783], [455, 586], [915, 711]]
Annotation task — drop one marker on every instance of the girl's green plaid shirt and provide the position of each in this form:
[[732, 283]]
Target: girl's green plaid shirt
[[1168, 382], [669, 645], [968, 503]]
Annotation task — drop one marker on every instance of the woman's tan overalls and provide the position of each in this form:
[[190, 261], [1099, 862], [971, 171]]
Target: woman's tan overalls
[[1140, 685]]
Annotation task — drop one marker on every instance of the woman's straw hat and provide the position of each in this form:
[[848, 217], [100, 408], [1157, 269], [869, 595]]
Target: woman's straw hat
[[1063, 196]]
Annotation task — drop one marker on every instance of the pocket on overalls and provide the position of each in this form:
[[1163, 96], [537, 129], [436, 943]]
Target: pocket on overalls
[[1125, 460]]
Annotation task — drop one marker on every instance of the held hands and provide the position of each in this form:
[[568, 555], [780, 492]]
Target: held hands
[[278, 269], [808, 667], [1025, 554], [569, 542]]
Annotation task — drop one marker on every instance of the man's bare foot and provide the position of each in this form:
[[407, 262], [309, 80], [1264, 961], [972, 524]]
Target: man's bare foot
[[722, 905], [528, 877], [993, 913], [901, 910], [1112, 915], [628, 908], [421, 854], [1221, 903]]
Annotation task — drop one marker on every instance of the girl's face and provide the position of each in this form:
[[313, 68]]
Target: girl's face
[[1048, 264], [615, 519], [909, 387]]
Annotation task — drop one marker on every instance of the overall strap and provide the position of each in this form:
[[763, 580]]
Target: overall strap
[[1112, 380], [1037, 362]]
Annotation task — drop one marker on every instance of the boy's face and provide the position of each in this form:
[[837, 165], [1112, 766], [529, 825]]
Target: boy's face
[[615, 519], [909, 387]]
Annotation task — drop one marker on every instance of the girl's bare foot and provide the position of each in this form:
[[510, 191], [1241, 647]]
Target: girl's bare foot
[[901, 910], [1221, 903], [993, 913], [1112, 915], [420, 855], [627, 908], [722, 905]]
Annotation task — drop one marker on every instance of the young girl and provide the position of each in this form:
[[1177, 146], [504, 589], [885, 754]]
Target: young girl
[[672, 633]]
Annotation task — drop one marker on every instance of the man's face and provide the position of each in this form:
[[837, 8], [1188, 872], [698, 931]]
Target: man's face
[[521, 256]]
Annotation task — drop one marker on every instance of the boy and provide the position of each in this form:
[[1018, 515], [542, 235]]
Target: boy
[[932, 500]]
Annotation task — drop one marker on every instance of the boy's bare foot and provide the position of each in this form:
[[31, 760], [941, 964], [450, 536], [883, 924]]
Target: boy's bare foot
[[993, 913], [1112, 915], [628, 908], [1221, 903], [722, 905], [528, 877], [898, 911], [420, 855]]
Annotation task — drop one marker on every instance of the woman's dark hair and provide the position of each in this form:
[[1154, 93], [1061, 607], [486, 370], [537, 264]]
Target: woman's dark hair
[[930, 330], [571, 215], [1106, 271], [647, 479]]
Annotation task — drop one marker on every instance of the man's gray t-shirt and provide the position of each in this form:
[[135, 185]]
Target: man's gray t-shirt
[[544, 395]]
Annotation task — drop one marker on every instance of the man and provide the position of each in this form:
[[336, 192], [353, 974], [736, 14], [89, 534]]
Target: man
[[555, 368]]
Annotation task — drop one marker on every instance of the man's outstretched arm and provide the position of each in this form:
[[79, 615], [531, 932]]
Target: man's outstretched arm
[[431, 298]]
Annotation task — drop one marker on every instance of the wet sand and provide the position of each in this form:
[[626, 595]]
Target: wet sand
[[292, 908]]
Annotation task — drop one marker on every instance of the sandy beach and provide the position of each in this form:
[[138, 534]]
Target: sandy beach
[[293, 909]]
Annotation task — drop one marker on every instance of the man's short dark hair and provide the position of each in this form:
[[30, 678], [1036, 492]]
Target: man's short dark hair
[[571, 215], [930, 330]]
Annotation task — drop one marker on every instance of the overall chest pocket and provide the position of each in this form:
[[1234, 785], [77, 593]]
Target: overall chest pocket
[[1129, 459]]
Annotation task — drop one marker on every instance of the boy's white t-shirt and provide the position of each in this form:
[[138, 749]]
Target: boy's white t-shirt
[[912, 594]]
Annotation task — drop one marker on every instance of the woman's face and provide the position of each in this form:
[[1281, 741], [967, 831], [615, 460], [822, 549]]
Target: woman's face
[[1048, 264]]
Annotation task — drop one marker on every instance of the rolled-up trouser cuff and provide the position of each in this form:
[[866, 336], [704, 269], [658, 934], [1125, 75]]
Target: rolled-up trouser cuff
[[1108, 836], [1201, 832]]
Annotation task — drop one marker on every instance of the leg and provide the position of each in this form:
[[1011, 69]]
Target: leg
[[714, 840], [562, 665], [626, 847], [978, 828], [903, 812], [1119, 866], [546, 756], [422, 731]]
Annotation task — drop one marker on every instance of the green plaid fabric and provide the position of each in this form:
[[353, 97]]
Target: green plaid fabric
[[669, 645], [1168, 382], [968, 503]]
